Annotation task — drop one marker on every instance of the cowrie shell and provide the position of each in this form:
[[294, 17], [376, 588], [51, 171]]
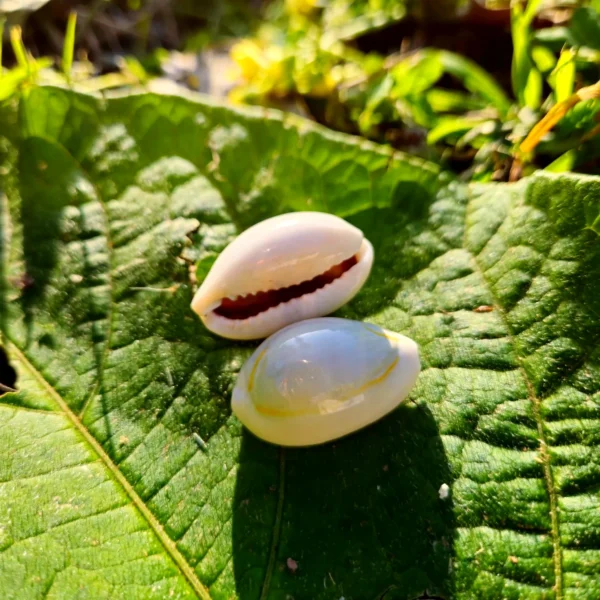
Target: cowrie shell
[[321, 379], [285, 269]]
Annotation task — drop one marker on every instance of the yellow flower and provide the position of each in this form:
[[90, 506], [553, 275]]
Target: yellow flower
[[300, 7], [323, 86], [237, 95], [249, 57]]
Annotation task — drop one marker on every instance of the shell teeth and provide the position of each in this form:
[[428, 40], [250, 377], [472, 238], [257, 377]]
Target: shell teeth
[[258, 292]]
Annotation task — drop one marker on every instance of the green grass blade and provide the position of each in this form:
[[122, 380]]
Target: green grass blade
[[544, 58], [69, 45], [476, 80], [451, 126], [18, 47], [526, 79], [442, 100], [563, 76], [532, 93], [565, 162], [14, 78], [11, 81]]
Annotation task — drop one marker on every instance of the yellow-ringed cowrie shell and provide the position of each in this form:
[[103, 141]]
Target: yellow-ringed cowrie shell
[[285, 269], [321, 379]]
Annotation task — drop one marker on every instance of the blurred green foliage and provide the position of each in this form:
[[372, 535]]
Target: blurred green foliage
[[30, 71], [306, 55], [302, 51]]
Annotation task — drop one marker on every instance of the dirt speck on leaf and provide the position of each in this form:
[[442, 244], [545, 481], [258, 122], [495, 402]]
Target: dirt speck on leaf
[[292, 565], [484, 308]]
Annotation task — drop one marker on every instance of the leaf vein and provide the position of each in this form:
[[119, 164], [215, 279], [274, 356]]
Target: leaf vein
[[544, 453]]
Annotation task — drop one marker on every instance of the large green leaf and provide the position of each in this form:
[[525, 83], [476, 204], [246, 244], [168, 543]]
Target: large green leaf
[[105, 491]]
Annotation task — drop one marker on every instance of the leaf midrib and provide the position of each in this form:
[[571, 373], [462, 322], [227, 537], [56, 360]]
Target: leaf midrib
[[154, 524], [543, 449]]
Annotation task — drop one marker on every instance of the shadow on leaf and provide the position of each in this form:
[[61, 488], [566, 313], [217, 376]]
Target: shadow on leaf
[[360, 517], [407, 236], [8, 376], [52, 187]]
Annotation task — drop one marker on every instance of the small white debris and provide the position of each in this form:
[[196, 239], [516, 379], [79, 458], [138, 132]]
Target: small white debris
[[444, 491], [169, 377], [75, 278], [201, 443]]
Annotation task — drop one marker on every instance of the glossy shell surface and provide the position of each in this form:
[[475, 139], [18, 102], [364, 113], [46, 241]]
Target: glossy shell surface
[[321, 379], [284, 253]]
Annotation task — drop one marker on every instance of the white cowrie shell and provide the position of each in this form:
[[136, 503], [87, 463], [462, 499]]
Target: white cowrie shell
[[322, 258], [321, 379]]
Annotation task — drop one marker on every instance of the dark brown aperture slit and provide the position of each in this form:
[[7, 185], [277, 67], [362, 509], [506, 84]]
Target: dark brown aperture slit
[[253, 304]]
